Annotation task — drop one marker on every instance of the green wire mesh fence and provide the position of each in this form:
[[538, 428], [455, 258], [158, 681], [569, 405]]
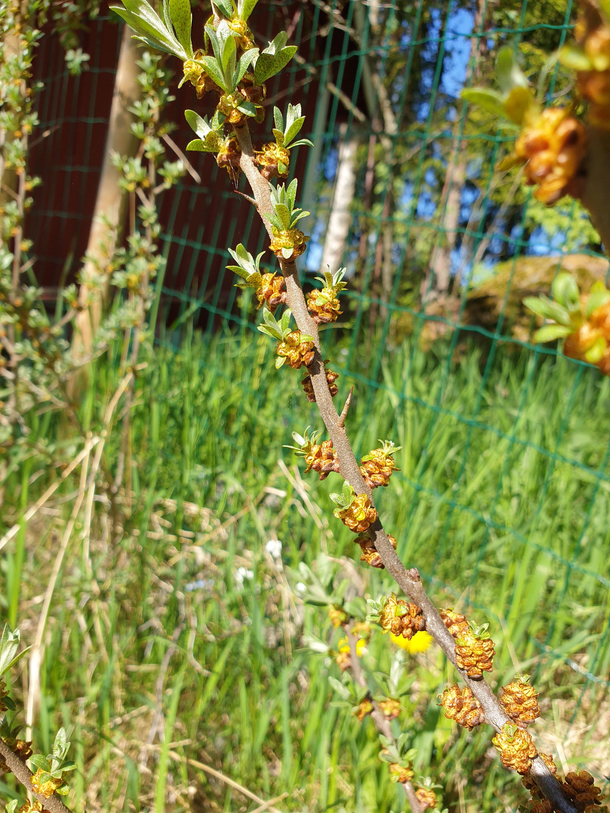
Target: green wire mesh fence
[[505, 461]]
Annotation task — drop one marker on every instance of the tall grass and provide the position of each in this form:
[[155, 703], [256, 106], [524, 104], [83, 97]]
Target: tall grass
[[184, 642]]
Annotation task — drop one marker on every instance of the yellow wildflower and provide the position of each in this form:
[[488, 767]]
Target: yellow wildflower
[[418, 643], [360, 646]]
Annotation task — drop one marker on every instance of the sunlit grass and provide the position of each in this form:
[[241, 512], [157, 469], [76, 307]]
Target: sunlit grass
[[184, 643]]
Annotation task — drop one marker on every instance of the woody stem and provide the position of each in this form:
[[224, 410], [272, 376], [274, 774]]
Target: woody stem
[[408, 579]]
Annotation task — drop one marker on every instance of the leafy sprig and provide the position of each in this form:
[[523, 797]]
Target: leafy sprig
[[55, 764], [236, 11], [171, 34], [285, 131], [248, 268], [211, 134], [286, 214], [224, 68], [515, 100]]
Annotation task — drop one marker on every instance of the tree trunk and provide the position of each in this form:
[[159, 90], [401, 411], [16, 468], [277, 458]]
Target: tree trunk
[[341, 215], [111, 202]]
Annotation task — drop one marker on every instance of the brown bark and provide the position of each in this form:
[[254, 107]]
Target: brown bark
[[408, 579]]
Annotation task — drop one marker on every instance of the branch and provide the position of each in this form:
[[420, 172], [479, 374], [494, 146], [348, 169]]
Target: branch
[[408, 579], [381, 721], [53, 804]]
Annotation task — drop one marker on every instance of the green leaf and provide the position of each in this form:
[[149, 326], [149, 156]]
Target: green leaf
[[41, 762], [302, 142], [294, 129], [486, 98], [291, 192], [63, 790], [9, 703], [287, 253], [298, 217], [245, 8], [144, 32], [181, 17], [197, 145], [244, 63], [226, 6], [565, 292], [247, 108], [146, 22], [212, 68], [508, 72], [278, 120], [283, 212], [196, 123], [12, 806], [279, 362], [273, 59], [341, 690], [61, 744], [275, 222], [598, 296], [550, 333], [548, 309], [9, 644], [68, 765], [574, 57]]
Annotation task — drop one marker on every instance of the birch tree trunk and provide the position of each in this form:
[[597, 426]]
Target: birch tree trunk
[[341, 215]]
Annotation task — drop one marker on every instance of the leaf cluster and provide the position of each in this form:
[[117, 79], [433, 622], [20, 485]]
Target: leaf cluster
[[287, 215]]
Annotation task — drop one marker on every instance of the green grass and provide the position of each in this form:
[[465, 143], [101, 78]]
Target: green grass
[[502, 503]]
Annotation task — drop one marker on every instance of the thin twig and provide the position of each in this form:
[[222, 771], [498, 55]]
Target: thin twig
[[345, 409], [381, 721], [226, 779], [49, 492]]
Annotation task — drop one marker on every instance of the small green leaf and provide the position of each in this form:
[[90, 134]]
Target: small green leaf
[[565, 292], [341, 690], [574, 57], [181, 16], [274, 58], [212, 68], [41, 762], [278, 120], [550, 333], [247, 108], [245, 8], [548, 309], [508, 72], [486, 98], [197, 145], [598, 296], [244, 63], [302, 142], [63, 790], [292, 132], [279, 362], [226, 6]]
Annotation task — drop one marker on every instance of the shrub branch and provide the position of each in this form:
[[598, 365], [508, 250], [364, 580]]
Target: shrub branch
[[54, 803], [408, 579]]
